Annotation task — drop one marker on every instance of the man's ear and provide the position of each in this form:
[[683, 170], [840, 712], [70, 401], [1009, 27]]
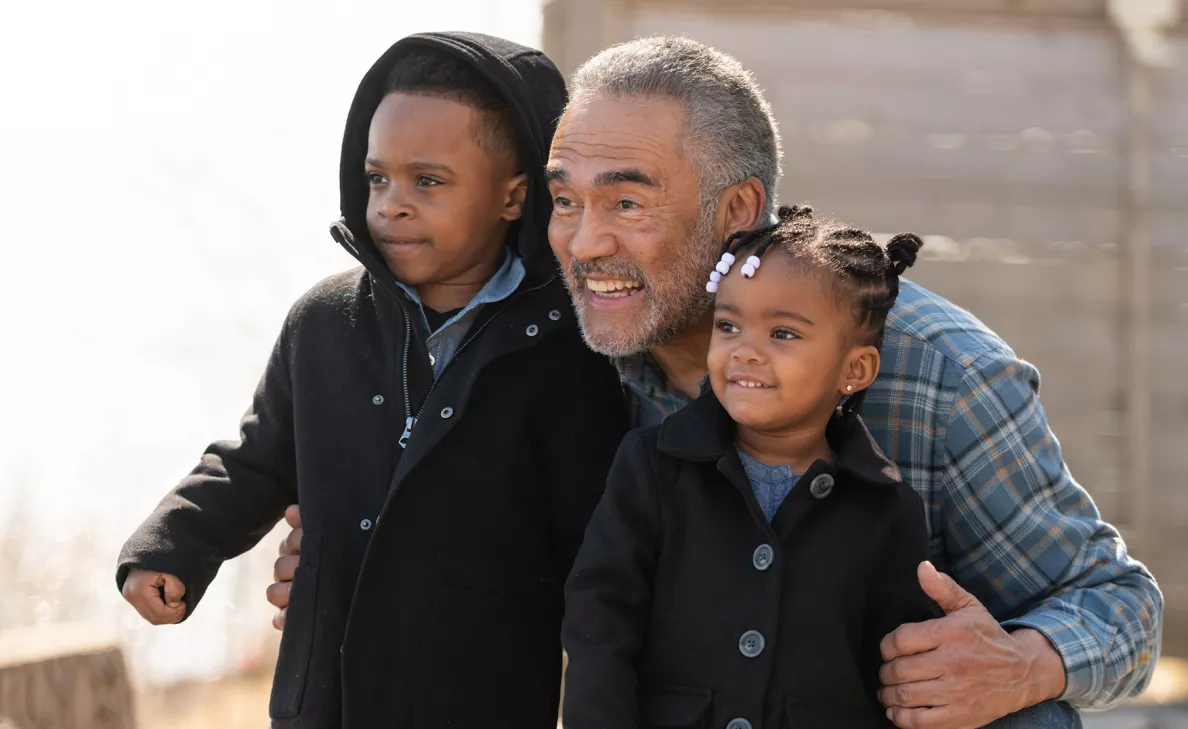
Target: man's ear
[[861, 368], [515, 191], [740, 207]]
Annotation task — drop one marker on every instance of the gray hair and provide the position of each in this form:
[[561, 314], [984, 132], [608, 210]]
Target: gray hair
[[731, 132]]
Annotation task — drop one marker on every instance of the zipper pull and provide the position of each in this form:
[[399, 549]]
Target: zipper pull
[[409, 422]]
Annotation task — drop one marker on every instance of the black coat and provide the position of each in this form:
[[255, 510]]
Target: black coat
[[430, 588], [685, 608]]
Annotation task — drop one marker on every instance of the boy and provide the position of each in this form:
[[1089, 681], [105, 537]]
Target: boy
[[418, 410]]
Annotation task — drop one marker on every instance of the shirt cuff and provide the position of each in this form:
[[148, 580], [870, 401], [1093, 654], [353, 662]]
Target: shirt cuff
[[1079, 650]]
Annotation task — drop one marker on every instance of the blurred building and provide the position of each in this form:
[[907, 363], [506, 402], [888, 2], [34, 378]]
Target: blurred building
[[1043, 145]]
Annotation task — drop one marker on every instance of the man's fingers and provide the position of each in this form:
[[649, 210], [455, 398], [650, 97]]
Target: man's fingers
[[908, 669], [278, 594], [912, 638], [174, 591], [284, 568], [940, 717], [292, 543], [943, 589], [913, 695], [293, 516]]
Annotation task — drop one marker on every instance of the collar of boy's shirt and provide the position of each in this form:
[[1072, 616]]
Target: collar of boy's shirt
[[703, 431], [503, 284]]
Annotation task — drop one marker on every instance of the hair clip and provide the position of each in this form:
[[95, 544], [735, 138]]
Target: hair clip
[[719, 271]]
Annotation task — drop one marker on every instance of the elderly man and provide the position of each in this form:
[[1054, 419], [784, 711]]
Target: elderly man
[[666, 148]]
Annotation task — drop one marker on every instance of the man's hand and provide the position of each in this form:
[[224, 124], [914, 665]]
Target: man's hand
[[156, 596], [963, 671], [285, 567]]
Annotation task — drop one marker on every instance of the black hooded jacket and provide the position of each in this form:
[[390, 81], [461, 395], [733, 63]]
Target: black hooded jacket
[[429, 592]]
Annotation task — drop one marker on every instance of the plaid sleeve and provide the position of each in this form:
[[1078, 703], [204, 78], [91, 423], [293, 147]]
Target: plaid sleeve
[[1028, 541]]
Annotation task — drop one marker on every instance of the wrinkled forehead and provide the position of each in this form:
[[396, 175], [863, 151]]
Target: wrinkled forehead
[[601, 134]]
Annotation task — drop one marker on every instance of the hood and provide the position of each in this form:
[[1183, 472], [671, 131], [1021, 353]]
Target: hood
[[535, 93]]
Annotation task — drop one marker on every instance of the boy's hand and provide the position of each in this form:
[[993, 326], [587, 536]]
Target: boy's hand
[[286, 567], [156, 596]]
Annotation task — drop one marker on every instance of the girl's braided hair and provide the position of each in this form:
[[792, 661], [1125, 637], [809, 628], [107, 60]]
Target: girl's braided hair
[[861, 274]]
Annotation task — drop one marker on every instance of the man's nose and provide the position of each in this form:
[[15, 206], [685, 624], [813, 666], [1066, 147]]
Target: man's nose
[[591, 240]]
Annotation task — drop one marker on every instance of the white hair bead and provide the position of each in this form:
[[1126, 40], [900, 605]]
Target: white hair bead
[[728, 257], [715, 276], [748, 271], [753, 262], [723, 267], [712, 287]]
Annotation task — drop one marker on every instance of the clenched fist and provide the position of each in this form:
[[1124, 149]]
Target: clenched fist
[[156, 596]]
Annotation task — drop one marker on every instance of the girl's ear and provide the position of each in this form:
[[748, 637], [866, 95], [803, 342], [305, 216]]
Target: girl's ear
[[860, 369], [516, 191]]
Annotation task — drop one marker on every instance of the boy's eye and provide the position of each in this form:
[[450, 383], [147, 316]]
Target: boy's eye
[[374, 178], [726, 326], [426, 181], [786, 334]]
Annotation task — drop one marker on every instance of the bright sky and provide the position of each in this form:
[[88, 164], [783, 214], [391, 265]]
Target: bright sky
[[167, 175]]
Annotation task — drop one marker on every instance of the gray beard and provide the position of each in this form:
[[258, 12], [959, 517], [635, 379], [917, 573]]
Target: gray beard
[[677, 299]]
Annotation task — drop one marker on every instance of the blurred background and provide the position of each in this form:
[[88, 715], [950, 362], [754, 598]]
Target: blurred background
[[168, 172]]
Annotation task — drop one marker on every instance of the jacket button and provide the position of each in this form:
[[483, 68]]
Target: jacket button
[[739, 724], [447, 412], [432, 360], [532, 330], [751, 643], [821, 486], [377, 400], [555, 315], [365, 524], [762, 557]]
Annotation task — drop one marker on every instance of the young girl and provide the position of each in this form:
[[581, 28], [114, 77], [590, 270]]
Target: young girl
[[751, 553]]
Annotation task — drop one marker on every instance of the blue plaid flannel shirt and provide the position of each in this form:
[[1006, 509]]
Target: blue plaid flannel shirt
[[960, 414]]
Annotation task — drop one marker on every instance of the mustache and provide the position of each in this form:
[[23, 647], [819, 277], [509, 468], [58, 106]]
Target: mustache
[[610, 267]]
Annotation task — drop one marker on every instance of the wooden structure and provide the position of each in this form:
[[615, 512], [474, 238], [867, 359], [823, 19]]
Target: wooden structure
[[1045, 157], [63, 677]]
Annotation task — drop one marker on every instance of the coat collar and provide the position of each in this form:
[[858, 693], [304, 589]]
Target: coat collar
[[703, 431]]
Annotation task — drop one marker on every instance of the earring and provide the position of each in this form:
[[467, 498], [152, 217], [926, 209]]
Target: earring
[[849, 388]]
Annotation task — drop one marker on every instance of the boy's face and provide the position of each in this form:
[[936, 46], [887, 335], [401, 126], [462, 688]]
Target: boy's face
[[782, 351], [438, 206]]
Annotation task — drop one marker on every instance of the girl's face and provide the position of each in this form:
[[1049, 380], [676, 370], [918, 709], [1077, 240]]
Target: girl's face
[[783, 349]]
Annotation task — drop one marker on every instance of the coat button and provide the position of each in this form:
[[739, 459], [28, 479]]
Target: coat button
[[821, 486], [447, 412], [739, 724], [377, 400], [762, 557], [751, 643], [432, 360], [365, 524], [555, 315], [532, 330]]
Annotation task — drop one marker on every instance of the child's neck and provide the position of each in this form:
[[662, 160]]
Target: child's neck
[[457, 292], [798, 447]]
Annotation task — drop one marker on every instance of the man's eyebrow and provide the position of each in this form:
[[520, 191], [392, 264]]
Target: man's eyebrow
[[610, 178], [556, 174]]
